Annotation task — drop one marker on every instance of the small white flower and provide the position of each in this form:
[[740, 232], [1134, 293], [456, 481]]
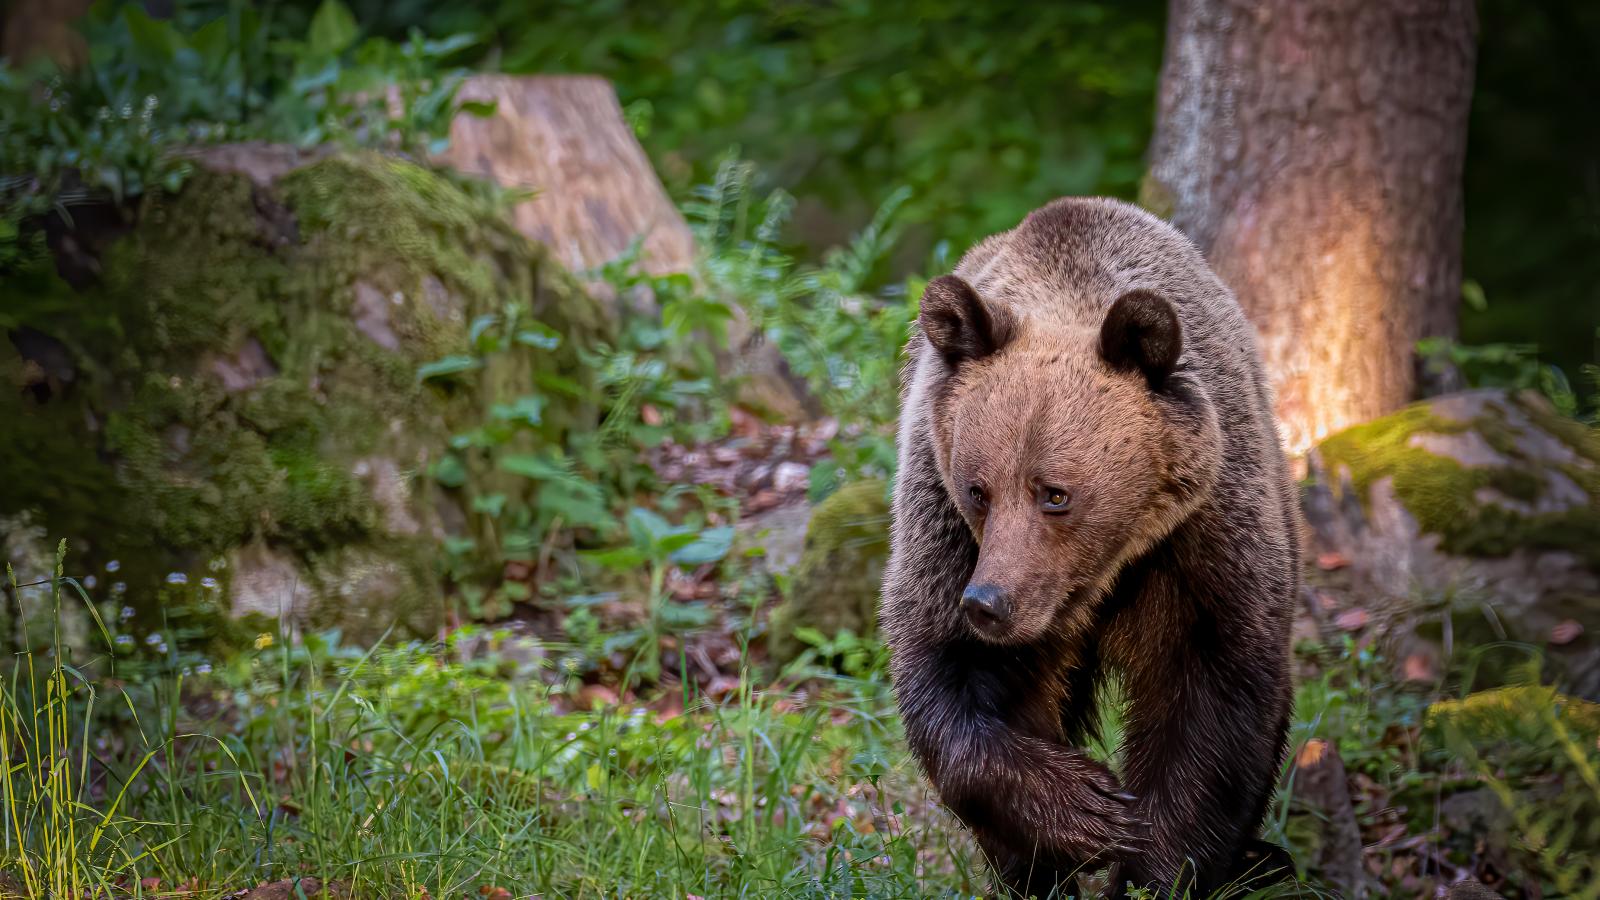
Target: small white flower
[[153, 639], [177, 578], [162, 648], [203, 669], [187, 671], [89, 581], [208, 583], [127, 611], [124, 640], [120, 587], [113, 565]]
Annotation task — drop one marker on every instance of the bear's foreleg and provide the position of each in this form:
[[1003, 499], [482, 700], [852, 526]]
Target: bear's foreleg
[[1202, 743], [977, 733]]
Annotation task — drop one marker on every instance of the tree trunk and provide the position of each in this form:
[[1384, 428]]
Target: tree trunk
[[1313, 151]]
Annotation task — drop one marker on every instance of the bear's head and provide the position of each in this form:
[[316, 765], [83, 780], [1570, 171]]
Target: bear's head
[[1069, 450]]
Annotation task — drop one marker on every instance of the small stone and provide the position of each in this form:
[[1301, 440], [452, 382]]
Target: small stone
[[790, 476]]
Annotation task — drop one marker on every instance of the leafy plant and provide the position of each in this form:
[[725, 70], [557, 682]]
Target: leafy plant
[[1535, 750], [1515, 366], [841, 338], [656, 546], [120, 125]]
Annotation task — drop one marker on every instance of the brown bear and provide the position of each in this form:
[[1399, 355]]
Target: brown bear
[[1090, 482]]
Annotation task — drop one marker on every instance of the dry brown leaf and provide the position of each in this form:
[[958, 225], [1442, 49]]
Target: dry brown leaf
[[1351, 619]]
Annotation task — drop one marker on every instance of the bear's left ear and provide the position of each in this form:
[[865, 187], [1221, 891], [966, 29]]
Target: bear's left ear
[[1142, 332], [959, 324]]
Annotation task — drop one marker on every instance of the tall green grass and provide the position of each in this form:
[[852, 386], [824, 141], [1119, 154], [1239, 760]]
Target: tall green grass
[[407, 768]]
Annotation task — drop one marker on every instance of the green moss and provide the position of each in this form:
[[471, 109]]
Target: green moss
[[1518, 484], [152, 456], [1442, 494], [1513, 714], [835, 586]]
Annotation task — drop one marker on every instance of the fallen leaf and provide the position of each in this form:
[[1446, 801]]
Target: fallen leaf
[[1332, 560], [1418, 668], [1311, 753], [650, 416], [1565, 632], [1351, 619]]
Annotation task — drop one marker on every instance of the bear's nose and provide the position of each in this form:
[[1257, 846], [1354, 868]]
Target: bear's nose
[[986, 605]]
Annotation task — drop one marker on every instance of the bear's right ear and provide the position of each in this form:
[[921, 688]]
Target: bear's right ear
[[959, 324]]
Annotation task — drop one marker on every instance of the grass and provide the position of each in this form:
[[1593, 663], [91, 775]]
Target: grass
[[474, 767], [406, 770]]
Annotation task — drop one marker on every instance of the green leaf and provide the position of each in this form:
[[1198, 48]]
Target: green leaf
[[539, 468], [333, 29], [481, 109], [491, 504], [479, 325], [539, 335], [157, 41], [528, 409], [647, 526], [450, 365], [808, 635], [708, 546], [677, 540], [618, 559], [448, 471]]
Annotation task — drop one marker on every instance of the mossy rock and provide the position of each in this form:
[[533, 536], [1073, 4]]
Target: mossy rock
[[238, 384], [835, 586], [1479, 511]]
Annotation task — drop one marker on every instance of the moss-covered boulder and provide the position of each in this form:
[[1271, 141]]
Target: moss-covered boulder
[[835, 586], [1474, 518], [231, 384]]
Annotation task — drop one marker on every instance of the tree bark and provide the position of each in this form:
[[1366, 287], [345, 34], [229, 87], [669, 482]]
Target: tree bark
[[1313, 151]]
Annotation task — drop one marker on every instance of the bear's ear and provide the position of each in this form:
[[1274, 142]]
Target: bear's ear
[[1142, 332], [959, 324]]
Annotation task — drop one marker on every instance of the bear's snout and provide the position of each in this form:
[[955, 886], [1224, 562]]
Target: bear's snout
[[987, 607]]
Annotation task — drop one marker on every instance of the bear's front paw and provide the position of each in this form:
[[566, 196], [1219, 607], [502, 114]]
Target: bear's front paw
[[1099, 819]]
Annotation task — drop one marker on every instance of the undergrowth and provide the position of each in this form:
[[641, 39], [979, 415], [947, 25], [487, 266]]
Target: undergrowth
[[475, 766]]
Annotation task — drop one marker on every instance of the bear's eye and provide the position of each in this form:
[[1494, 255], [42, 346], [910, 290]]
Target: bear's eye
[[1054, 499], [976, 493]]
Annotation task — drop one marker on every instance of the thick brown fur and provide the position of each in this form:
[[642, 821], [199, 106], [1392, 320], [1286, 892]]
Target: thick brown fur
[[1105, 366]]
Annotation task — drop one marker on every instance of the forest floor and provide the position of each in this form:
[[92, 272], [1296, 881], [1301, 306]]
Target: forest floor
[[532, 758]]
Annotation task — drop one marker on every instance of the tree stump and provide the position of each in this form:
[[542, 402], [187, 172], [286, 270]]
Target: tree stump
[[1322, 790], [564, 136]]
